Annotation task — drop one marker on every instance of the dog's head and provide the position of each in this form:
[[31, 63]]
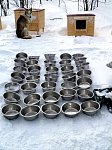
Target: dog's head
[[28, 13]]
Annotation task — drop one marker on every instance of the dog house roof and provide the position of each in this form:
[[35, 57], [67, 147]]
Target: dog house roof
[[81, 15]]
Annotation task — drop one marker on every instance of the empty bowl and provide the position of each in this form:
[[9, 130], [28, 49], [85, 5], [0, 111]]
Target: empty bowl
[[84, 94], [68, 85], [69, 77], [52, 69], [12, 87], [67, 69], [48, 85], [84, 72], [49, 63], [67, 94], [19, 62], [30, 112], [32, 99], [33, 78], [22, 56], [49, 56], [11, 111], [34, 57], [34, 69], [20, 69], [77, 56], [51, 77], [71, 109], [17, 77], [29, 87], [50, 110], [31, 62], [65, 62], [90, 107], [65, 56], [84, 82], [51, 97], [11, 97]]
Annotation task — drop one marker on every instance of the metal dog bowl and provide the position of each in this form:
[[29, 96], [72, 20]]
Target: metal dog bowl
[[71, 109], [12, 87], [84, 72], [35, 69], [51, 110], [83, 66], [34, 57], [11, 111], [11, 97], [67, 94], [31, 62], [29, 87], [22, 56], [84, 94], [17, 77], [32, 99], [30, 112], [67, 69], [51, 77], [52, 69], [69, 77], [19, 62], [49, 63], [65, 62], [68, 85], [51, 97], [84, 82], [77, 56], [90, 107], [20, 69], [65, 56], [48, 85], [49, 56], [33, 78]]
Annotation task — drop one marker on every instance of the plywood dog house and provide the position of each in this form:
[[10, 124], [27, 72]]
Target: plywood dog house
[[0, 24], [80, 24], [38, 18]]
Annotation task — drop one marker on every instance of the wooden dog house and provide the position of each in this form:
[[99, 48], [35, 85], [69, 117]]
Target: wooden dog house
[[80, 24], [0, 24], [38, 18]]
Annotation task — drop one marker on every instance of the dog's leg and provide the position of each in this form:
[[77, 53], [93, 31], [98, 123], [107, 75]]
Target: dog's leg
[[26, 34]]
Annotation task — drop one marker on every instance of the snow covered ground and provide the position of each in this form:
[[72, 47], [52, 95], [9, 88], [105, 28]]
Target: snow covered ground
[[79, 133]]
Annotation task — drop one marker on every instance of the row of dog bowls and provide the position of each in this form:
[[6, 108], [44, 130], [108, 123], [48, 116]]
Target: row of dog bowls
[[49, 96], [69, 109]]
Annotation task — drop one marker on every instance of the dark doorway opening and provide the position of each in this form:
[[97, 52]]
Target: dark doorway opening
[[80, 24]]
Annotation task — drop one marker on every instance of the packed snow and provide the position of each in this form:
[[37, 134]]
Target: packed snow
[[62, 133]]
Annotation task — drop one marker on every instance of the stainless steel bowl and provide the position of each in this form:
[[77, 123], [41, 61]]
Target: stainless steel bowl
[[32, 99], [90, 107], [65, 56], [50, 63], [30, 112], [77, 56], [68, 85], [51, 110], [69, 77], [11, 97], [49, 56], [34, 57], [33, 78], [65, 62], [83, 66], [48, 85], [20, 69], [52, 69], [71, 109], [17, 77], [35, 69], [68, 94], [84, 72], [19, 62], [84, 82], [11, 111], [51, 97], [84, 94], [31, 62], [29, 87], [51, 77], [67, 69], [22, 56], [12, 87]]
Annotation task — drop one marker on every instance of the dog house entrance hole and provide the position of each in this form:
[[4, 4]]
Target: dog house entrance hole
[[80, 24]]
